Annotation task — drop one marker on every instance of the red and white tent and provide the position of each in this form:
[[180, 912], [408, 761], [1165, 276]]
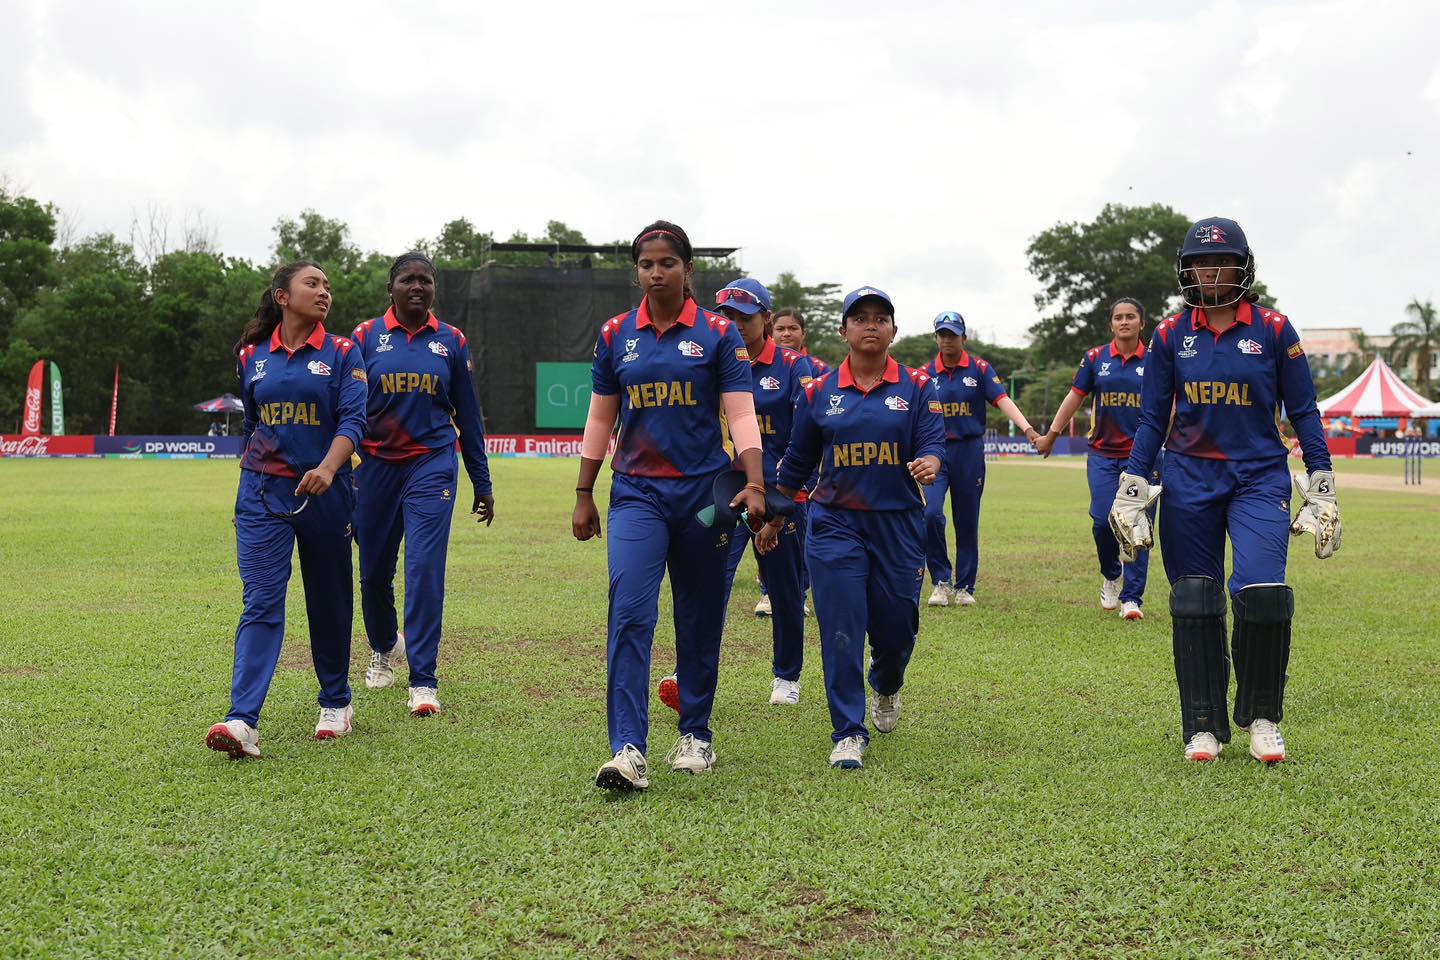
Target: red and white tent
[[1375, 393]]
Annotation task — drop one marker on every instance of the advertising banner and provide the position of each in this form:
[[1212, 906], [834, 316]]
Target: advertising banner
[[17, 446], [562, 394], [170, 448], [57, 402], [31, 426]]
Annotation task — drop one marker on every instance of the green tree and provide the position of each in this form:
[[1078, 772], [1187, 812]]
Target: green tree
[[460, 246], [317, 238], [27, 262], [1417, 337], [820, 303]]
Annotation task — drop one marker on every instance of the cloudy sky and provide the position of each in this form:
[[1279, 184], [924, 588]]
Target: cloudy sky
[[917, 149]]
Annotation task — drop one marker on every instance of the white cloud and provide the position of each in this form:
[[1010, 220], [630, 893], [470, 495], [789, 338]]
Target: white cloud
[[917, 149]]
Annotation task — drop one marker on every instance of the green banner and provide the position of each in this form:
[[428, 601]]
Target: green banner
[[562, 394], [57, 402]]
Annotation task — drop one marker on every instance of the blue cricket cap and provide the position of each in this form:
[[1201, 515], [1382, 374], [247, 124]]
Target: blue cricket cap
[[855, 296], [747, 295], [952, 321]]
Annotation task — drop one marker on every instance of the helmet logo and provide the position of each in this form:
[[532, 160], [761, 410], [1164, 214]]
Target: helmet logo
[[1210, 234]]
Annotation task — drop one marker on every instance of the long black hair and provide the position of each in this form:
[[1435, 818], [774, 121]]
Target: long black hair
[[1139, 308], [672, 234], [268, 315]]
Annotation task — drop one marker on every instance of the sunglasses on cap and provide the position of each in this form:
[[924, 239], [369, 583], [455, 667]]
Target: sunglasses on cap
[[279, 514], [737, 295]]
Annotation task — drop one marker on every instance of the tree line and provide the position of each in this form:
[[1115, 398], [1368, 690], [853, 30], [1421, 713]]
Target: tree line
[[169, 313]]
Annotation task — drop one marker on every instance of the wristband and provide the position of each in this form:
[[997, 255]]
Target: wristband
[[752, 485], [584, 489]]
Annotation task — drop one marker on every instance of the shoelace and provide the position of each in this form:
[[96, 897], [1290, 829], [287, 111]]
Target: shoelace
[[332, 714], [849, 743], [687, 747], [378, 659]]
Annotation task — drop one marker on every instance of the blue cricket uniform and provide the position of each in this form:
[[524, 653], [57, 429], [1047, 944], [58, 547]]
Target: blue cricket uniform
[[779, 376], [672, 443], [818, 366], [296, 404], [1114, 379], [420, 394], [1225, 461], [865, 539], [964, 389]]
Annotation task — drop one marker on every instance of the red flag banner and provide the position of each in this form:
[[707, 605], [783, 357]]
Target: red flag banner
[[31, 427], [114, 400]]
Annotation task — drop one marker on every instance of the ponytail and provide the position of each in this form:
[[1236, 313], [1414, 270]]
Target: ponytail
[[269, 314]]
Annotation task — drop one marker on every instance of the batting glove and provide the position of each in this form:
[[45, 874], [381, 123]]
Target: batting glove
[[1128, 518], [1319, 514]]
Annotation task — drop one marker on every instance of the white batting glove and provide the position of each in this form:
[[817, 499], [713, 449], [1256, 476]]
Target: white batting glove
[[1128, 519], [1319, 514]]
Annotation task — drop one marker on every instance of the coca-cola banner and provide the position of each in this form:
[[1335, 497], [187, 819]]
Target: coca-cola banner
[[171, 448], [31, 426], [46, 446]]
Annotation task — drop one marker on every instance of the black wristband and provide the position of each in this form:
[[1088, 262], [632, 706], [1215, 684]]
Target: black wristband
[[584, 489]]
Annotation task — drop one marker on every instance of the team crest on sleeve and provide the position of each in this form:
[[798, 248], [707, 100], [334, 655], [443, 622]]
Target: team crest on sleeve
[[318, 368], [1249, 346], [1295, 351], [740, 353], [806, 381], [359, 374], [384, 344], [690, 348], [439, 349], [936, 407]]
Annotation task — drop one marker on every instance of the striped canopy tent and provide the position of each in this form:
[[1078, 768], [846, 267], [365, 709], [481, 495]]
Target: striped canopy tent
[[1431, 411], [225, 403], [1375, 393]]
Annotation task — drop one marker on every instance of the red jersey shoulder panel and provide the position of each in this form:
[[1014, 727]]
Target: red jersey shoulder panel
[[362, 331], [608, 328], [342, 345], [717, 322], [917, 376], [789, 356], [459, 337], [984, 367], [816, 385], [1163, 328]]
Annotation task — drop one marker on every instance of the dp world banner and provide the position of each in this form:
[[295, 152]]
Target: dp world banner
[[170, 448]]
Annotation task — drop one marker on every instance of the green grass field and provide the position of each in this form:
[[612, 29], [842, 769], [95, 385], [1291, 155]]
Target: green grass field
[[1033, 801]]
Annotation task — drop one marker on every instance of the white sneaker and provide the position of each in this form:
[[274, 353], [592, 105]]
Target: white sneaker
[[625, 771], [334, 722], [941, 595], [691, 755], [807, 607], [885, 711], [1202, 748], [762, 609], [235, 737], [848, 754], [381, 672], [784, 692], [1130, 610], [423, 701], [1266, 744], [962, 598], [1110, 593]]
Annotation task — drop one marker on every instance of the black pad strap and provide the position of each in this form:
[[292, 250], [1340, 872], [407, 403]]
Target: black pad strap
[[1197, 612], [1261, 647]]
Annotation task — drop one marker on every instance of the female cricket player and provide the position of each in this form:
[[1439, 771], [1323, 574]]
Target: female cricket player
[[1228, 366], [778, 378], [304, 395], [1112, 374], [965, 383], [875, 429], [675, 376], [790, 333], [420, 395]]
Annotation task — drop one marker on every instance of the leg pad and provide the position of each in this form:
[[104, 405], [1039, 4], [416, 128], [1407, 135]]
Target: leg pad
[[1197, 611], [1261, 648]]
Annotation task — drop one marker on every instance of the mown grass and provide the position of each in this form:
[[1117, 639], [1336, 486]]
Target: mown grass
[[1033, 801]]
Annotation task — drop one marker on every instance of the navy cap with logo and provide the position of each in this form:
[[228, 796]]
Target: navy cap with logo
[[950, 321], [862, 293], [747, 295], [1215, 235]]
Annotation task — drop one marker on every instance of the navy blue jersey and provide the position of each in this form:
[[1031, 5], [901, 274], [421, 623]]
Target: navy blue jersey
[[820, 367], [297, 403], [779, 376], [672, 423], [862, 440], [1228, 390], [1115, 380], [964, 389], [421, 394]]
